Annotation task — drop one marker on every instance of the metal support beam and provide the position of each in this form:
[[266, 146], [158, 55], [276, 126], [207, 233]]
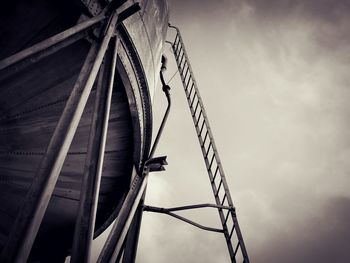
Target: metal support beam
[[130, 249], [113, 246], [85, 223], [188, 207], [134, 232], [29, 218], [52, 44], [167, 211]]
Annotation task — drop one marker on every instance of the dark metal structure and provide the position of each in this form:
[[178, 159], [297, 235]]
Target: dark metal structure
[[76, 87], [76, 82]]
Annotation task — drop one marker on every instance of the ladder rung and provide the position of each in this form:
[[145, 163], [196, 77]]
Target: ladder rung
[[216, 172], [233, 228], [199, 117], [188, 82], [211, 162], [194, 97], [191, 91], [174, 46], [228, 213], [188, 69], [183, 67], [237, 246], [205, 138], [177, 51], [223, 200], [176, 38], [206, 155], [182, 57], [201, 127], [195, 110], [217, 192]]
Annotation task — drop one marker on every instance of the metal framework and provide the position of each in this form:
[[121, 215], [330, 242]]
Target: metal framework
[[100, 64], [115, 247], [29, 218], [235, 243]]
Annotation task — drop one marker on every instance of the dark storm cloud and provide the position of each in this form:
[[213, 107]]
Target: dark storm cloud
[[323, 238]]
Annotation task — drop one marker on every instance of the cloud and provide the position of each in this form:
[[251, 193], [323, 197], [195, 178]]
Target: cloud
[[324, 237], [274, 76]]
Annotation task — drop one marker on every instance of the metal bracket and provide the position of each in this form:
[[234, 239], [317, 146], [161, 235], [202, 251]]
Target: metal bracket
[[169, 211], [156, 164]]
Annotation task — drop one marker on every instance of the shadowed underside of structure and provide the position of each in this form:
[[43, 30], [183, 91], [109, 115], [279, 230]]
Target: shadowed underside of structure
[[32, 99]]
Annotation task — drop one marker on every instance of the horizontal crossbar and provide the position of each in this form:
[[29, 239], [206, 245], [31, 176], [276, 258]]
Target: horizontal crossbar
[[168, 211]]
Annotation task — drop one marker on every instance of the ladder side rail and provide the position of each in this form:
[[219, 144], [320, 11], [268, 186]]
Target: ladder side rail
[[204, 152], [214, 189], [207, 123], [223, 180]]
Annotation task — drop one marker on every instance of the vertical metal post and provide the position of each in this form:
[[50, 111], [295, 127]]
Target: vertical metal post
[[130, 249], [29, 218], [85, 223]]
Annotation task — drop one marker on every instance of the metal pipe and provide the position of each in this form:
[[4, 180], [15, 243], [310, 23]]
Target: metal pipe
[[28, 220], [166, 90], [84, 228], [211, 229], [167, 212], [187, 207]]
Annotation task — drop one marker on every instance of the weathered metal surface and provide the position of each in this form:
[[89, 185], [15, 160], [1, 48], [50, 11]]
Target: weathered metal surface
[[148, 30]]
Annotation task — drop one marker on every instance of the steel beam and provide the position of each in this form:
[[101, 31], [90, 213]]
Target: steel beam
[[85, 223], [29, 218], [44, 46]]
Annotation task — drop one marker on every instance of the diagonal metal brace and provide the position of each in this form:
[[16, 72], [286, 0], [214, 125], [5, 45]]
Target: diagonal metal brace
[[169, 211]]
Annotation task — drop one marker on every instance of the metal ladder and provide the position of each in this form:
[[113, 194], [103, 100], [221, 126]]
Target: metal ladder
[[235, 243]]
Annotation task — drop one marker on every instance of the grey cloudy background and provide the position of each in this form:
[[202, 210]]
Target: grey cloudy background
[[274, 76]]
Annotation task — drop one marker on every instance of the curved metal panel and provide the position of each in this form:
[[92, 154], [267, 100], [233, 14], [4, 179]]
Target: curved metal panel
[[148, 30]]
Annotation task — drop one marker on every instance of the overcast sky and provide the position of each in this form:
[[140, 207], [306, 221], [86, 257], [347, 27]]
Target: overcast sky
[[274, 77]]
